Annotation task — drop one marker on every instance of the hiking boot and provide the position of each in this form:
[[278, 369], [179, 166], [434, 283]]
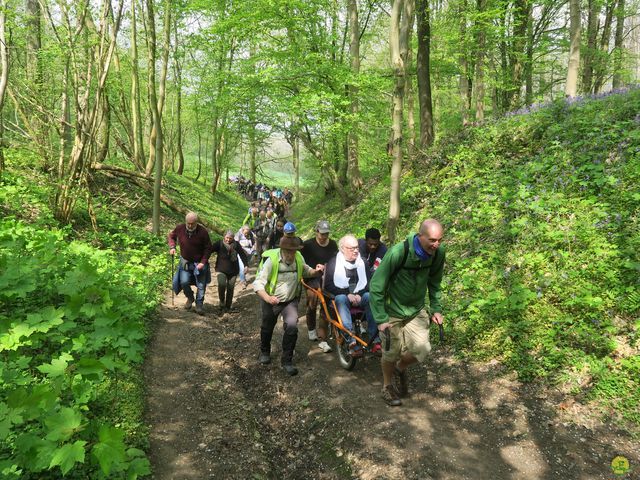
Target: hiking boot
[[324, 346], [264, 358], [390, 396], [401, 382], [290, 369], [199, 309], [376, 350], [188, 304], [313, 335]]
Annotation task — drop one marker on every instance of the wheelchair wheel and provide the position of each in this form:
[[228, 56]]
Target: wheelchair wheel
[[346, 360]]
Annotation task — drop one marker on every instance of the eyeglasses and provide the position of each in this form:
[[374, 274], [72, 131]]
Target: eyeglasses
[[351, 248]]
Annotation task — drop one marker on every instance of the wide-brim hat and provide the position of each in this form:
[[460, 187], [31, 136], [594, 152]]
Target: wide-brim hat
[[290, 243]]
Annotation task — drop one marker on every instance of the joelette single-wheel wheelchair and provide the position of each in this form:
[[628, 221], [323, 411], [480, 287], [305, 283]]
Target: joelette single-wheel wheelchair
[[339, 332]]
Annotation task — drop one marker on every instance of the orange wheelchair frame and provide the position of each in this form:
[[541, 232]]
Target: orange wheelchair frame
[[338, 330]]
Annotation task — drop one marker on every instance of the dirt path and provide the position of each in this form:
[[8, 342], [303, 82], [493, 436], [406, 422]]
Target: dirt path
[[215, 413]]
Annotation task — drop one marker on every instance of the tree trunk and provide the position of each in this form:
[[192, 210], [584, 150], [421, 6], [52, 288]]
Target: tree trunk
[[399, 72], [296, 166], [408, 18], [602, 59], [178, 81], [528, 66], [571, 86], [156, 148], [590, 52], [464, 86], [480, 57], [33, 15], [4, 75], [424, 74], [353, 170], [617, 49], [161, 94], [521, 14], [136, 116]]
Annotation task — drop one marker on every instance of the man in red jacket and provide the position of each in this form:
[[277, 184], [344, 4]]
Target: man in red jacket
[[195, 250]]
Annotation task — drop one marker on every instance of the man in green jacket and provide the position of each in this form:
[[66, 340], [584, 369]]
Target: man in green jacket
[[397, 298]]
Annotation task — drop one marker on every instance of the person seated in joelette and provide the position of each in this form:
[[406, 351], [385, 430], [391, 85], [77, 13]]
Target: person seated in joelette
[[346, 276]]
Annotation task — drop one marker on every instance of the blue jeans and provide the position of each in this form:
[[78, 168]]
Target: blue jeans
[[343, 304], [186, 279]]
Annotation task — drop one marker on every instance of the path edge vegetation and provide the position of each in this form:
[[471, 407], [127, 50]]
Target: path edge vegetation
[[77, 308]]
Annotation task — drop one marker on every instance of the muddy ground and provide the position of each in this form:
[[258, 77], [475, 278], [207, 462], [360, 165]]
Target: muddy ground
[[215, 413]]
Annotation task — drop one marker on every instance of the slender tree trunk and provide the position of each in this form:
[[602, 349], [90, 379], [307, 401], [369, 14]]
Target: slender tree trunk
[[178, 82], [156, 148], [590, 53], [463, 61], [424, 74], [480, 58], [602, 59], [571, 86], [399, 72], [528, 66], [617, 49], [408, 18], [161, 93], [4, 74], [136, 117], [521, 14], [296, 165], [34, 42], [353, 170]]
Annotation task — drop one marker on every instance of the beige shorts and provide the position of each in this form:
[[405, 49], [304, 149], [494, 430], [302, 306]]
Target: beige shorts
[[412, 337]]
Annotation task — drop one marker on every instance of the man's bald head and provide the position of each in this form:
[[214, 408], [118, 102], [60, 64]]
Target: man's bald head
[[430, 224], [430, 235]]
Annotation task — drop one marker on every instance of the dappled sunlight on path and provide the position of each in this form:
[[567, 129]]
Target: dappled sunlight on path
[[216, 413]]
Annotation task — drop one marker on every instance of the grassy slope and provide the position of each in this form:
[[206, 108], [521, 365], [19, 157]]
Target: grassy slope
[[52, 257], [543, 232]]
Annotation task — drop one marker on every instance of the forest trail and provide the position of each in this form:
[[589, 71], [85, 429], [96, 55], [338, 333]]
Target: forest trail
[[215, 413]]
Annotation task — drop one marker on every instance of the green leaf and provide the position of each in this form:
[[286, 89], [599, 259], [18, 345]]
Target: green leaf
[[90, 367], [57, 367], [67, 456], [110, 450], [63, 424], [138, 467]]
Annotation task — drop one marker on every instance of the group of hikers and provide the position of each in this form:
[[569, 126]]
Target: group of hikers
[[389, 285]]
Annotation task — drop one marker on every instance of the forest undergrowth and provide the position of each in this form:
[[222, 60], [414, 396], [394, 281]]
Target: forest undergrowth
[[542, 218], [76, 305]]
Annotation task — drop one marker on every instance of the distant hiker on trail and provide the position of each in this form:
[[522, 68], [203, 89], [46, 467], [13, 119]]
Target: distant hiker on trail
[[372, 250], [252, 216], [278, 286], [193, 269], [277, 233], [261, 230], [230, 255], [347, 277], [397, 299], [317, 251]]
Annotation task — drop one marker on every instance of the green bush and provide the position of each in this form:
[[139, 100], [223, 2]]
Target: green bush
[[71, 321]]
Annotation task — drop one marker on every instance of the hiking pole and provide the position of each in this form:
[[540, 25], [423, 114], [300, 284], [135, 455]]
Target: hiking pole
[[173, 266], [441, 332]]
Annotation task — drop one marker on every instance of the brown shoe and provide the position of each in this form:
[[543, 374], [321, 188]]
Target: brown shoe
[[199, 310], [390, 396], [401, 382], [188, 304]]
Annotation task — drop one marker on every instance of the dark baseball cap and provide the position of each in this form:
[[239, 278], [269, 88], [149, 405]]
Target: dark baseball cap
[[322, 226]]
